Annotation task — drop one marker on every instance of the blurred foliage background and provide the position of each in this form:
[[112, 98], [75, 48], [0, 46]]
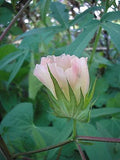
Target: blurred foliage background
[[89, 28]]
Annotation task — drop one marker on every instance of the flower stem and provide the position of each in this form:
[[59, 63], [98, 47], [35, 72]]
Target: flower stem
[[74, 129]]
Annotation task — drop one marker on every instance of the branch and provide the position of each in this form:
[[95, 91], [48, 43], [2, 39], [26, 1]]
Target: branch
[[13, 21], [98, 49], [86, 138], [99, 139], [44, 149], [81, 152], [4, 149]]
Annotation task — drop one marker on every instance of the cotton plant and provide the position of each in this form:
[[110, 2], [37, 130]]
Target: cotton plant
[[67, 81]]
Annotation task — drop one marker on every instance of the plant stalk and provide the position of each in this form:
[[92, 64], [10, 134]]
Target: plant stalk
[[95, 46], [98, 36]]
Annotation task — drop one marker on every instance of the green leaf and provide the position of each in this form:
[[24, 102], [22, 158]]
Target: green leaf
[[19, 132], [3, 76], [44, 6], [114, 101], [112, 75], [62, 136], [15, 30], [1, 2], [85, 17], [9, 58], [98, 150], [48, 133], [114, 31], [82, 19], [110, 16], [92, 9], [100, 90], [33, 38], [34, 83], [42, 32], [101, 86], [5, 15], [8, 100], [70, 152], [7, 49], [104, 112], [60, 13], [110, 128], [79, 44], [101, 60], [17, 67]]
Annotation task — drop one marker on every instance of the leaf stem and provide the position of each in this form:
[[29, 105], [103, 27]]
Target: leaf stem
[[81, 152], [43, 149], [14, 20], [95, 45], [99, 139]]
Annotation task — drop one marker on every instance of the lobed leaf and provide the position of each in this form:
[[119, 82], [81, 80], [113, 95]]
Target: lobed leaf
[[79, 44], [114, 31], [44, 6], [60, 13], [17, 67], [110, 16], [103, 112]]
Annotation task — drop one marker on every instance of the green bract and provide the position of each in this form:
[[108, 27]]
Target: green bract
[[70, 109]]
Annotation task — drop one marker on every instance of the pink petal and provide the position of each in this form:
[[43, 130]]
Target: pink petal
[[71, 75], [41, 72], [84, 75], [78, 76], [60, 76]]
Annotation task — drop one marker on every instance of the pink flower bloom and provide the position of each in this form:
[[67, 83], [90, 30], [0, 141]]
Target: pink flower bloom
[[64, 68]]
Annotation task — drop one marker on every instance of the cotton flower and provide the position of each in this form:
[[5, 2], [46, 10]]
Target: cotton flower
[[67, 77], [65, 69]]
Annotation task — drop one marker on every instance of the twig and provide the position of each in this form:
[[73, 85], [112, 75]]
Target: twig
[[81, 152], [98, 49], [4, 149], [99, 139], [13, 20], [44, 149]]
